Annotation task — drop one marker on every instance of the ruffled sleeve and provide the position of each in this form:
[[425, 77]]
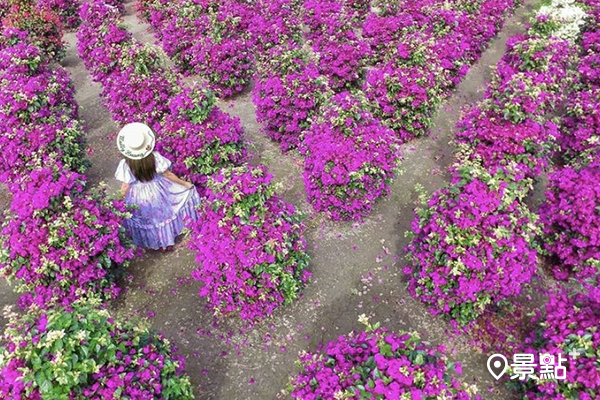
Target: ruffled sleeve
[[123, 173], [162, 163]]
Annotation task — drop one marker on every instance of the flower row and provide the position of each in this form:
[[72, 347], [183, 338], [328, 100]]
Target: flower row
[[61, 244], [210, 39], [490, 250]]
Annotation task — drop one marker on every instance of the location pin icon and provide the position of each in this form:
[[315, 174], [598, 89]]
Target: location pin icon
[[497, 365]]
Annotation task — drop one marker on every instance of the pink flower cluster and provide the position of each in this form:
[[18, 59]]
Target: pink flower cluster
[[38, 115], [249, 247], [423, 50], [531, 78], [67, 11], [508, 138], [377, 364], [571, 217], [275, 23], [341, 53], [209, 38], [569, 324], [62, 242], [80, 351], [571, 213], [580, 138], [204, 138], [350, 158], [287, 92], [136, 87], [472, 244]]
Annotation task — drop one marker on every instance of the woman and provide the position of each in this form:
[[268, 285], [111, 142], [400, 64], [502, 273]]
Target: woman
[[162, 200]]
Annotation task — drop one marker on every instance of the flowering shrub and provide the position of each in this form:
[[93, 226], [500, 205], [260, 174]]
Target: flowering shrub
[[287, 93], [208, 38], [425, 49], [532, 77], [37, 114], [274, 23], [581, 124], [82, 352], [60, 243], [342, 59], [23, 23], [498, 142], [67, 11], [127, 68], [350, 159], [377, 364], [571, 218], [570, 323], [249, 246], [201, 138], [472, 244]]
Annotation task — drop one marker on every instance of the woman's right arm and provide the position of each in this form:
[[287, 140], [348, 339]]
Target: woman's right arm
[[174, 178]]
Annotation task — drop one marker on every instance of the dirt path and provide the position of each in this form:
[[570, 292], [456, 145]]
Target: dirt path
[[355, 267]]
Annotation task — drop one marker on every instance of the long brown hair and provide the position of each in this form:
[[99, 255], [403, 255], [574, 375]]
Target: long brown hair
[[143, 169]]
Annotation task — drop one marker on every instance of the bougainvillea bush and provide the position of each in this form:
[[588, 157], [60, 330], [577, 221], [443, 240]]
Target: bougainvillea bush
[[571, 218], [38, 114], [24, 23], [249, 245], [531, 78], [136, 86], [425, 58], [67, 11], [526, 146], [377, 364], [350, 159], [200, 137], [274, 23], [287, 93], [570, 323], [82, 352], [208, 38], [60, 242], [472, 245]]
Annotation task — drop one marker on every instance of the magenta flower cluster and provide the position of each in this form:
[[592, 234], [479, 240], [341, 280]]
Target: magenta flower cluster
[[38, 115], [136, 87], [80, 352], [377, 364], [423, 49], [569, 324], [209, 38], [62, 242], [580, 138], [341, 53], [571, 217], [66, 10], [287, 93], [472, 244], [204, 138], [350, 158], [571, 214], [249, 245]]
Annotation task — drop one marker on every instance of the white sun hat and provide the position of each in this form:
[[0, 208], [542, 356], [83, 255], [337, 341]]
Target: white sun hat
[[135, 140]]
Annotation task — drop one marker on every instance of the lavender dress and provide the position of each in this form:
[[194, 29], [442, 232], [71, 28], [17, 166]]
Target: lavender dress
[[162, 206]]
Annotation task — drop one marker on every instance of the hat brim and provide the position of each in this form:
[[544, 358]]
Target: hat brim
[[135, 154]]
